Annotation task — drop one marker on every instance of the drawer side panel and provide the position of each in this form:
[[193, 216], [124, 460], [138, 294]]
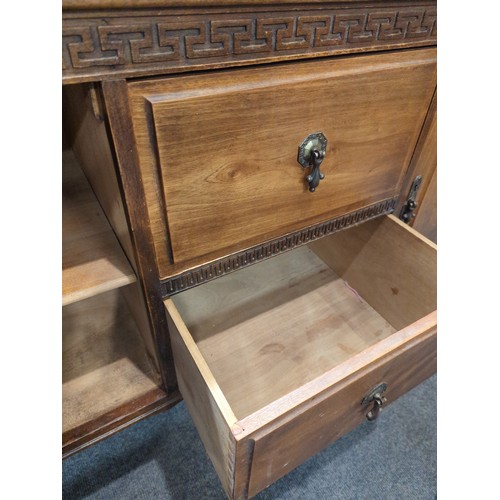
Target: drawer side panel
[[206, 404]]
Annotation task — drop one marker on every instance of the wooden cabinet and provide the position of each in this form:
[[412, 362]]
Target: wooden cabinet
[[111, 375], [285, 315]]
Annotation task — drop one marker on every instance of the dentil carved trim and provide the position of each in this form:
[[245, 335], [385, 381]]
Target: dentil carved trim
[[202, 274], [132, 45]]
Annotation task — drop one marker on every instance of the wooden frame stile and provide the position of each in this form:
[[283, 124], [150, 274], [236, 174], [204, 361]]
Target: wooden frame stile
[[117, 109]]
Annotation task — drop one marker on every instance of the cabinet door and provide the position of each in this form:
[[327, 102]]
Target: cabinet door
[[424, 164]]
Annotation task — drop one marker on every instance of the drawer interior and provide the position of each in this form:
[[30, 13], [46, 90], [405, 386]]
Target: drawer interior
[[266, 330]]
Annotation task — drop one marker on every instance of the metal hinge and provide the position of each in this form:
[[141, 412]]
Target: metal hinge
[[96, 101], [408, 209]]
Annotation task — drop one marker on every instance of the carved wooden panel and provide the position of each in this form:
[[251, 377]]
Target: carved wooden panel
[[132, 43]]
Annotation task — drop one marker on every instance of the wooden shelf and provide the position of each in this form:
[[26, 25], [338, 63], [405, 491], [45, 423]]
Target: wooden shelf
[[107, 375], [93, 260]]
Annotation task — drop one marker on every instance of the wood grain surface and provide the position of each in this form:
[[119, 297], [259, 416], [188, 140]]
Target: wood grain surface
[[291, 314], [391, 265], [104, 360], [228, 146], [109, 40], [207, 404], [424, 163], [93, 261], [280, 449], [293, 348]]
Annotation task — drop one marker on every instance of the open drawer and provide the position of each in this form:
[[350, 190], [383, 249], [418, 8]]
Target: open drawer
[[274, 361]]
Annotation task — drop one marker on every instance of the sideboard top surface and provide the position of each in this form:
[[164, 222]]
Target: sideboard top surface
[[128, 4]]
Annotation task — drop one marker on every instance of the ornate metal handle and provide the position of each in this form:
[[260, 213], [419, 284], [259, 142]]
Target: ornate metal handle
[[311, 153], [376, 397], [316, 175]]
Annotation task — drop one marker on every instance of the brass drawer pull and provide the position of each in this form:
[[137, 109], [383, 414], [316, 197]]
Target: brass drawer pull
[[312, 151], [376, 397]]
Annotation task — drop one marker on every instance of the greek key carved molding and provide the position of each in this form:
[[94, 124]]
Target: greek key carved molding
[[133, 45], [255, 254]]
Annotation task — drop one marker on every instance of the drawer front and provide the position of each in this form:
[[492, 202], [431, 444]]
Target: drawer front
[[222, 164], [282, 447]]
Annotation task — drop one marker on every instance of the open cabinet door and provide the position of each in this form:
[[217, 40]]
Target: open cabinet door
[[423, 217]]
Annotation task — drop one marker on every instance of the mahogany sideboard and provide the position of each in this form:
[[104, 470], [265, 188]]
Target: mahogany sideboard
[[240, 182]]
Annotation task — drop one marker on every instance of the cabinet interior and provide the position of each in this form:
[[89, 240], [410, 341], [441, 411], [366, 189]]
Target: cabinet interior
[[266, 330], [92, 259], [104, 360], [107, 373]]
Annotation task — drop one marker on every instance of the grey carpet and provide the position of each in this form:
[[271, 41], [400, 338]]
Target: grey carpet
[[162, 457]]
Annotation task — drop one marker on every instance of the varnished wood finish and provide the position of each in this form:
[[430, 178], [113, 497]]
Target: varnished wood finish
[[116, 420], [258, 253], [307, 430], [102, 44], [104, 361], [199, 204], [93, 261], [426, 221], [117, 109], [90, 143], [243, 172], [331, 363]]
